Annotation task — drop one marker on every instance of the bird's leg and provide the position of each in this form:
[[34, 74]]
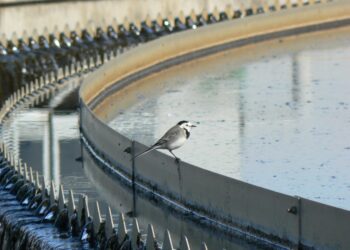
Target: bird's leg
[[176, 159]]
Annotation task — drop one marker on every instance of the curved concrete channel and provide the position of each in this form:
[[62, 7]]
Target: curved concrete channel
[[38, 90], [269, 216], [136, 189]]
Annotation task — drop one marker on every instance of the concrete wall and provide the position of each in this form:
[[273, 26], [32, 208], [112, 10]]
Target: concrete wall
[[218, 198], [58, 15]]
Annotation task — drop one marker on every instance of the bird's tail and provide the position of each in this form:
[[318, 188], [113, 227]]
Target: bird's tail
[[145, 152]]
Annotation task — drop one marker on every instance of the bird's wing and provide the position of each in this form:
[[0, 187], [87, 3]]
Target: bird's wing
[[168, 136]]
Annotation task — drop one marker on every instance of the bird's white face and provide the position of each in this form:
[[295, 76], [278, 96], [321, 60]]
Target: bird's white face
[[187, 126]]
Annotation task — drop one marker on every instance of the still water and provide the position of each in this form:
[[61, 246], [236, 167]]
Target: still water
[[277, 118], [276, 114]]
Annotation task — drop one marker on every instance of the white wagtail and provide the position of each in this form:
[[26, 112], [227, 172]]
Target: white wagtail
[[174, 138]]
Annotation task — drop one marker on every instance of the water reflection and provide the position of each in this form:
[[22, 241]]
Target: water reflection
[[48, 141], [278, 119]]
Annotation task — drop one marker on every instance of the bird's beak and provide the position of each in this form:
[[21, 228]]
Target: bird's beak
[[193, 126]]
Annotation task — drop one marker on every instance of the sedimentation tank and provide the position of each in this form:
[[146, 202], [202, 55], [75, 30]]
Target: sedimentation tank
[[217, 200], [184, 197]]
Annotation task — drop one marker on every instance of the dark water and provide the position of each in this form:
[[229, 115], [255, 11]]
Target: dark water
[[278, 117]]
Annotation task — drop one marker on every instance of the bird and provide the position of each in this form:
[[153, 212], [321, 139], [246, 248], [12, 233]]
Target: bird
[[174, 138]]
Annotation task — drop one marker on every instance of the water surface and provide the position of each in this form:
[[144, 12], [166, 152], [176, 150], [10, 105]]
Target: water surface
[[275, 114]]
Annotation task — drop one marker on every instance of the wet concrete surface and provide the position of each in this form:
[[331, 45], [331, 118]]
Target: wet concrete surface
[[274, 114], [149, 210]]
